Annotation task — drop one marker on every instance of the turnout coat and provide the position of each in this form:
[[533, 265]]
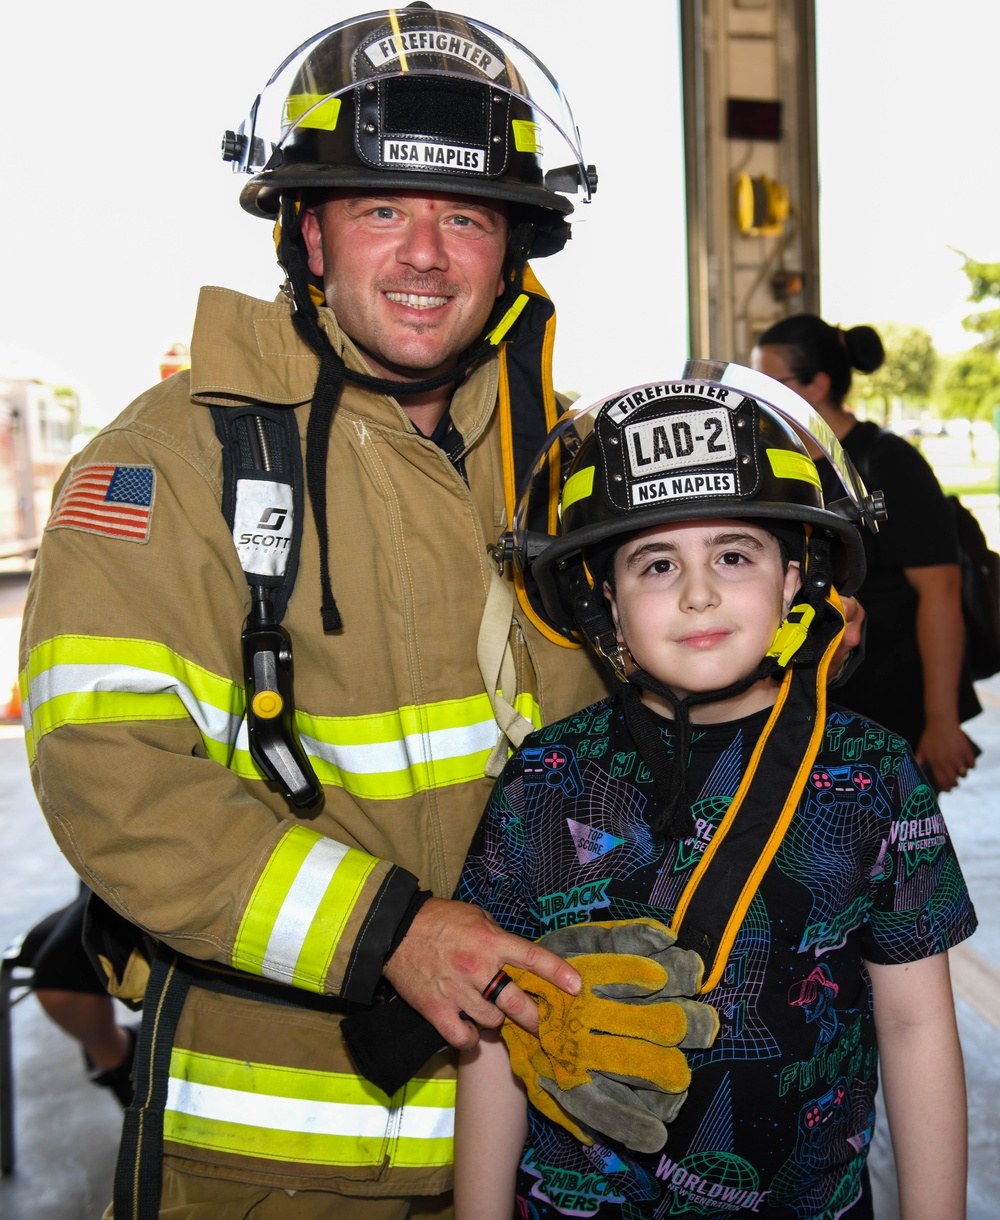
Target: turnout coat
[[132, 685]]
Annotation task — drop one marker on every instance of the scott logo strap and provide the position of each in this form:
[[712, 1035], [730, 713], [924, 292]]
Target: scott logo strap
[[262, 502]]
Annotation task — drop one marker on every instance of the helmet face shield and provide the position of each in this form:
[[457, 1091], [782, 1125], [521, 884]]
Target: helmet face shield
[[412, 98], [680, 451]]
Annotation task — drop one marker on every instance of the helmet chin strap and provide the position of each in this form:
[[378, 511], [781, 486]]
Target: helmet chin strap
[[792, 639], [670, 775], [333, 372]]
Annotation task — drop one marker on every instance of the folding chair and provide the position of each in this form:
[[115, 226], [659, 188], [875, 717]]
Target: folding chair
[[16, 977]]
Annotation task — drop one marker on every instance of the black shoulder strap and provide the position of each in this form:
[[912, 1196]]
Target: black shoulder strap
[[718, 894], [263, 494], [262, 500]]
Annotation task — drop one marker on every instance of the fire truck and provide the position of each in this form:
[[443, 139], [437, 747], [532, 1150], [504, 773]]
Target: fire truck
[[38, 425]]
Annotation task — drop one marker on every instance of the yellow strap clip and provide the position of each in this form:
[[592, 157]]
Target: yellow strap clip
[[508, 320], [790, 637]]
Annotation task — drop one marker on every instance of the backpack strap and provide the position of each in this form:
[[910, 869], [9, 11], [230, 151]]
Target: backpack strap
[[262, 502], [263, 495]]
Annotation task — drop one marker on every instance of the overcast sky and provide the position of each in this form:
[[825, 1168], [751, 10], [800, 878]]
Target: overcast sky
[[118, 207]]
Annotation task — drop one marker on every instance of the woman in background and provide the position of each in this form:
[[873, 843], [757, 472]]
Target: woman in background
[[912, 678]]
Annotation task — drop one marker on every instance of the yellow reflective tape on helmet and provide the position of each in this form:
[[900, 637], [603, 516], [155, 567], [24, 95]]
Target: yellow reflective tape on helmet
[[316, 110], [297, 913], [527, 136], [789, 465], [578, 486], [397, 34], [293, 1114]]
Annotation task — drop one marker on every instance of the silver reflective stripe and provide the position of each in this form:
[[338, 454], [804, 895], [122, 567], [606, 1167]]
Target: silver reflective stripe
[[213, 722], [313, 1117], [413, 749], [299, 908]]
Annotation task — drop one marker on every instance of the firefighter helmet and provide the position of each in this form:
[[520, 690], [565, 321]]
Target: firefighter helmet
[[684, 450], [415, 98]]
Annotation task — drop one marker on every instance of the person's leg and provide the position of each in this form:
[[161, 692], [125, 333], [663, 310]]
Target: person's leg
[[90, 1019], [72, 995]]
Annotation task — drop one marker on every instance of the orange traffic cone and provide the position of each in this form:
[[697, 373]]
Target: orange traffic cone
[[13, 709]]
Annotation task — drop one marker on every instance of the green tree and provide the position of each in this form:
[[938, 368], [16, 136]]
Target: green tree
[[970, 385], [984, 279], [908, 371]]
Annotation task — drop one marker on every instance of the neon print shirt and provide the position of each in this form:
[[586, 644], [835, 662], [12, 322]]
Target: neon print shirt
[[780, 1112]]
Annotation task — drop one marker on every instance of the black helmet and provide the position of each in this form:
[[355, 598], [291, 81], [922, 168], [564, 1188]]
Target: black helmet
[[718, 443], [415, 98], [687, 449]]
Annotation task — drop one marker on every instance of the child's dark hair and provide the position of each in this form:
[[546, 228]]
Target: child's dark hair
[[813, 346]]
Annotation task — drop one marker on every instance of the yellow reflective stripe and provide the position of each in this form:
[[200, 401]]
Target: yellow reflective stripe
[[397, 754], [292, 1114], [788, 465], [311, 110], [297, 913], [387, 756], [527, 136], [578, 486], [75, 679], [527, 705]]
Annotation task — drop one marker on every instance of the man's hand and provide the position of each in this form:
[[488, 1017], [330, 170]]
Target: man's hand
[[854, 617], [945, 752], [449, 955]]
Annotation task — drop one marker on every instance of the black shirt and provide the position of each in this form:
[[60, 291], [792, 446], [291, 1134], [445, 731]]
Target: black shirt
[[888, 686]]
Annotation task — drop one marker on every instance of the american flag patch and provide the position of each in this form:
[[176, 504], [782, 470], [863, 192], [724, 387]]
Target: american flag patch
[[112, 500]]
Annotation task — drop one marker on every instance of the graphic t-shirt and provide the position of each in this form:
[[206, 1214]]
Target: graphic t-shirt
[[780, 1111]]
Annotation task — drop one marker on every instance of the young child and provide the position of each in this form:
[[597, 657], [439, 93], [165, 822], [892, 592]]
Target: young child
[[795, 844]]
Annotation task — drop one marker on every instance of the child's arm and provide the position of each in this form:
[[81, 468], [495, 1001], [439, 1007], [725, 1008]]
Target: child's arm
[[923, 1081], [491, 1125]]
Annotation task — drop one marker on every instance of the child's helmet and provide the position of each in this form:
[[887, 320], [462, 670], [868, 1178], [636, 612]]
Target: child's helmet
[[681, 451], [689, 449], [719, 443]]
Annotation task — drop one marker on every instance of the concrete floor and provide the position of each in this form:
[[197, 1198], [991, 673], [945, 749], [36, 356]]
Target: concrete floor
[[67, 1130]]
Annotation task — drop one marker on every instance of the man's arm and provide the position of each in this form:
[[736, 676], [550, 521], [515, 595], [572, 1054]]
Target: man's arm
[[943, 748], [923, 1082], [491, 1125], [451, 952]]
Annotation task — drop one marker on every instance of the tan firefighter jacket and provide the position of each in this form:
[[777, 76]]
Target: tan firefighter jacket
[[134, 702]]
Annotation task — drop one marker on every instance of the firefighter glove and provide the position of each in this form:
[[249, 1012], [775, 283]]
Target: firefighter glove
[[610, 1060]]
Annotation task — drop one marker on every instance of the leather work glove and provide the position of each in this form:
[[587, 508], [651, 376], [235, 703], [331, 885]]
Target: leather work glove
[[611, 1058]]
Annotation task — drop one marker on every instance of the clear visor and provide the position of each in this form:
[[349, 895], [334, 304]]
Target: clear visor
[[568, 433], [305, 90]]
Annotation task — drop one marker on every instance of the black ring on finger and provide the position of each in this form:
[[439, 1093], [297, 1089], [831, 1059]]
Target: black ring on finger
[[496, 984]]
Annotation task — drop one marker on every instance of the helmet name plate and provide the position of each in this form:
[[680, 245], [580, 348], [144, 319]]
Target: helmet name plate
[[387, 50], [681, 486], [627, 403], [697, 438], [433, 156]]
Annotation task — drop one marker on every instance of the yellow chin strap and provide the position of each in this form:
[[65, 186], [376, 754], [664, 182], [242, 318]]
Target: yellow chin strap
[[719, 892]]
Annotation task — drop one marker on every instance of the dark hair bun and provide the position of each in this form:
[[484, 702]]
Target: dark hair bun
[[864, 348]]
